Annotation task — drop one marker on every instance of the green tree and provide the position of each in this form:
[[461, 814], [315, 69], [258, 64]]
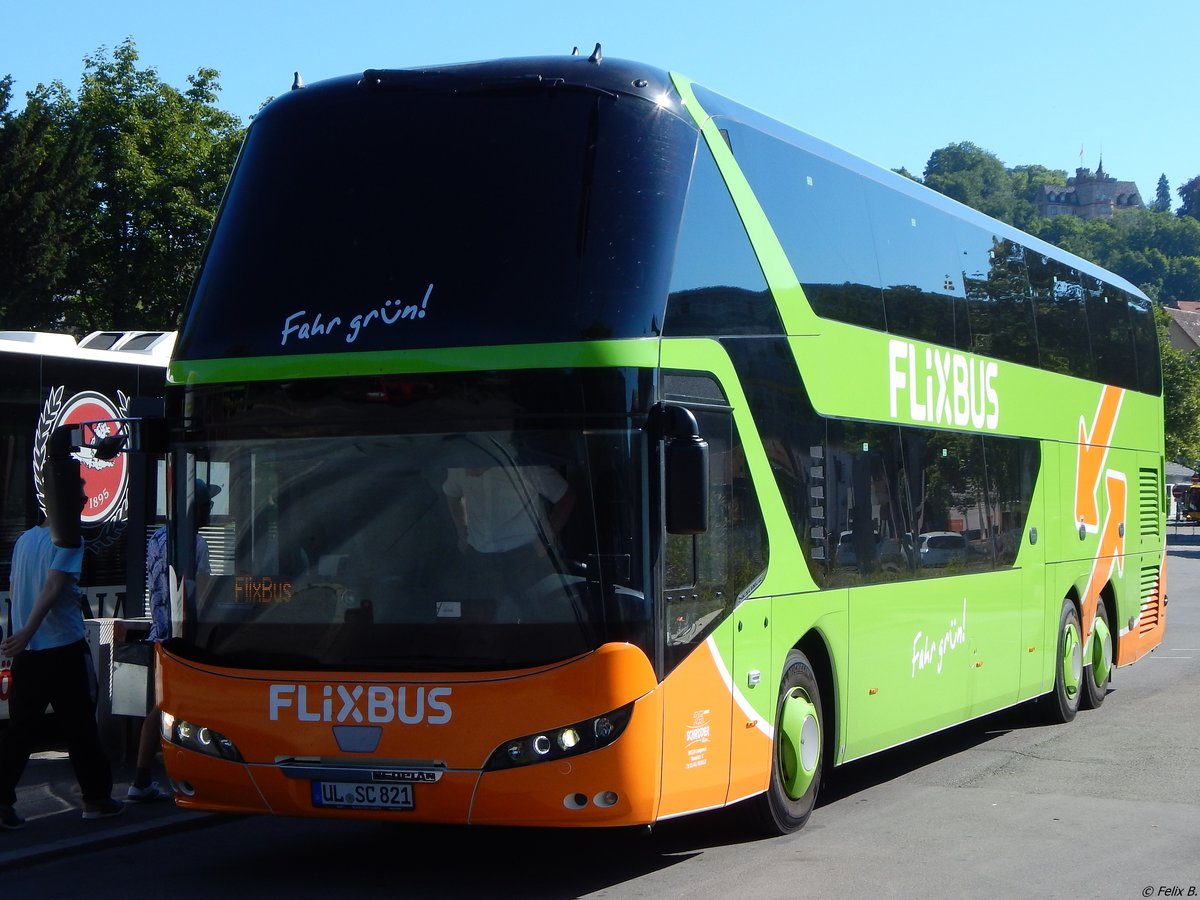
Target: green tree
[[1028, 183], [972, 176], [1162, 197], [163, 157], [46, 173], [1190, 194], [1181, 397], [1157, 251]]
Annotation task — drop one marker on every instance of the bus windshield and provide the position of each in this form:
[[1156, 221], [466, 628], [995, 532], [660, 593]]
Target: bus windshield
[[366, 220], [482, 550]]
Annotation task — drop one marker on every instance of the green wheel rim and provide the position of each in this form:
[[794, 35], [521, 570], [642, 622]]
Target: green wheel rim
[[799, 743], [1072, 659], [1101, 652]]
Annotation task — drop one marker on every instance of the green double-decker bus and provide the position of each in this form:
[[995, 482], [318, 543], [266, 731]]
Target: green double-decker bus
[[599, 451]]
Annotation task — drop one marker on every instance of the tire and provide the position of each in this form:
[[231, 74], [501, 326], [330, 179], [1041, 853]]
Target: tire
[[1097, 669], [797, 757], [1063, 702]]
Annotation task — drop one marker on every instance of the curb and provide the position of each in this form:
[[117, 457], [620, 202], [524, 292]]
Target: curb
[[123, 835]]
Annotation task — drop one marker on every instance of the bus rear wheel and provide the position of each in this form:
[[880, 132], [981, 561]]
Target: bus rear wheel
[[798, 751], [1063, 702], [1098, 668]]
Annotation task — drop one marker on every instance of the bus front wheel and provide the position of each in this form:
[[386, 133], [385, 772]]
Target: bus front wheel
[[1063, 702], [798, 751]]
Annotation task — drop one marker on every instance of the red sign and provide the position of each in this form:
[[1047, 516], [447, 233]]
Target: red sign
[[105, 480]]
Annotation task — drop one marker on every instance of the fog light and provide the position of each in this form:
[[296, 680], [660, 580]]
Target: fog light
[[515, 751], [568, 738], [605, 799], [575, 801], [603, 727], [541, 745], [204, 736]]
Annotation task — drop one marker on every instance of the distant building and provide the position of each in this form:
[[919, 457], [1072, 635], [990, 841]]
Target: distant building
[[1089, 196], [1184, 329]]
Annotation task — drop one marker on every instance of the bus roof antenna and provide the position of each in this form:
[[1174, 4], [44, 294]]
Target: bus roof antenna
[[574, 51], [596, 57], [297, 82]]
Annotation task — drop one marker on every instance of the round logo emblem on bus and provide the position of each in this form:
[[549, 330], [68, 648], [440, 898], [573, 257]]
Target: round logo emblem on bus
[[105, 480]]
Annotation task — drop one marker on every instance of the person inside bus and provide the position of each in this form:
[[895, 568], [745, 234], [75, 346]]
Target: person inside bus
[[143, 789], [52, 666], [501, 517]]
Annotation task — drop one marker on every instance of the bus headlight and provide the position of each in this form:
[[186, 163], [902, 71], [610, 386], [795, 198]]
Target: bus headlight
[[558, 743], [199, 738]]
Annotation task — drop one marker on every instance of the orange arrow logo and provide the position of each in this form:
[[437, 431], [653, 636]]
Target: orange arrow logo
[[1110, 553], [1091, 454]]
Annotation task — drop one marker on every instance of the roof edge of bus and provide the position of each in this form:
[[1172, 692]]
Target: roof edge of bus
[[597, 72], [144, 347]]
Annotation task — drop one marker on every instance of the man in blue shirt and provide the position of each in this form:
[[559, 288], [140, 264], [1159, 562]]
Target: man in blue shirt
[[52, 665]]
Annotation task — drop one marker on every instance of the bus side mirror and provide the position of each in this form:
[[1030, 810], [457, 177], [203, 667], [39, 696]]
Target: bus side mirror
[[687, 485], [686, 465], [60, 475]]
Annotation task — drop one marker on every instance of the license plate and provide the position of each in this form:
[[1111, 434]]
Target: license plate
[[354, 795]]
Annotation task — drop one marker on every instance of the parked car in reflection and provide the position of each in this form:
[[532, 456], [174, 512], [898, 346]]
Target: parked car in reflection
[[941, 548], [846, 554], [886, 553]]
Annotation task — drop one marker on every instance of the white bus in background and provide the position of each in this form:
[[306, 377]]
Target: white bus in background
[[48, 380]]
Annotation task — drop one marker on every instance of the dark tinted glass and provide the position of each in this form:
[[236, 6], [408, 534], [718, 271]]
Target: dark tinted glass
[[919, 267], [915, 503], [1114, 360], [708, 574], [717, 286], [338, 488], [999, 307], [875, 254], [391, 219], [792, 433], [1011, 473], [1062, 328], [867, 506], [819, 213], [864, 498], [475, 401], [1145, 343]]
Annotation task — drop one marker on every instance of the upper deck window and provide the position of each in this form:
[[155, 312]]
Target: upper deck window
[[397, 219]]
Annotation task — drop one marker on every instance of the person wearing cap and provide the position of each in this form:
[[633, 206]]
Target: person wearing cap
[[143, 789], [52, 666]]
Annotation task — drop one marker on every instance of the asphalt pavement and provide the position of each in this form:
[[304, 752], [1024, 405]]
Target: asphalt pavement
[[48, 799]]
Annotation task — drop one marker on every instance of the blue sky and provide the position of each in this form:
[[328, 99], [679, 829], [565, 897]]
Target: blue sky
[[1033, 81]]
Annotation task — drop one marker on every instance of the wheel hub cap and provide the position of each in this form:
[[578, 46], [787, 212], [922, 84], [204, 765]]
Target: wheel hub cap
[[799, 743], [1101, 652], [1072, 659]]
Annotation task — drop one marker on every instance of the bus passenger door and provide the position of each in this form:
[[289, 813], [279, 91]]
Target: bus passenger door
[[755, 678], [705, 575], [697, 711]]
